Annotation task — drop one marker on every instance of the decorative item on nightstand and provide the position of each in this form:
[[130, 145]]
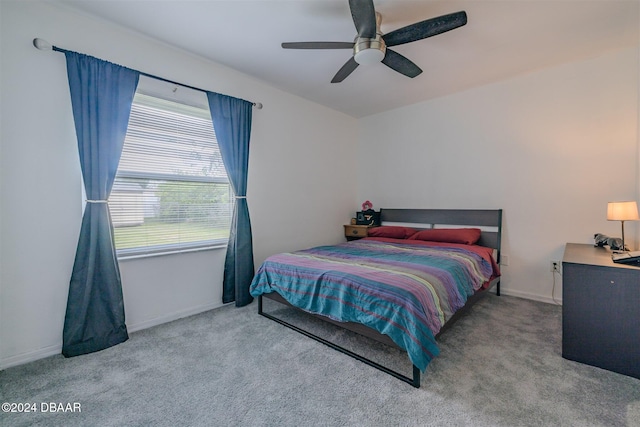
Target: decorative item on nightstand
[[622, 211], [368, 216]]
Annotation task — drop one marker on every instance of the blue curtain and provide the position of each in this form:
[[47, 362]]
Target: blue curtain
[[232, 123], [101, 97]]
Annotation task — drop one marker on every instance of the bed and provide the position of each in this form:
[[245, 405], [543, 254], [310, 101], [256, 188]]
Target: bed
[[403, 286]]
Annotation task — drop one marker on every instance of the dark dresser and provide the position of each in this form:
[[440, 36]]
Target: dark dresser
[[600, 310]]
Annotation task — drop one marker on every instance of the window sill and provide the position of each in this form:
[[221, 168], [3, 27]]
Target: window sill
[[172, 252]]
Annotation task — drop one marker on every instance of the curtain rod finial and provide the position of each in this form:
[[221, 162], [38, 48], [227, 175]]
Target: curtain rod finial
[[42, 44], [258, 105]]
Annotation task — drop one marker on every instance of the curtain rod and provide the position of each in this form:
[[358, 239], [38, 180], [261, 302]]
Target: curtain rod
[[42, 44]]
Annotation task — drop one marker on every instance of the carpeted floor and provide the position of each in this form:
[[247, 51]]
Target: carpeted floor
[[500, 365]]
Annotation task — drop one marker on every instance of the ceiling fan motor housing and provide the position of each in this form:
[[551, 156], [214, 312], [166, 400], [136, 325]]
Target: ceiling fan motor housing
[[369, 51]]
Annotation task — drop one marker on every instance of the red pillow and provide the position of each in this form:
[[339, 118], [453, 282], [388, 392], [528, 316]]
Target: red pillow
[[391, 231], [467, 236]]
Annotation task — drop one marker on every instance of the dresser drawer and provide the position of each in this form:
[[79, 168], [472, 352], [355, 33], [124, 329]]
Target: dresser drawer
[[355, 231]]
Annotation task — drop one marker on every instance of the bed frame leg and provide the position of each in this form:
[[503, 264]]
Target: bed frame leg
[[416, 377], [498, 289]]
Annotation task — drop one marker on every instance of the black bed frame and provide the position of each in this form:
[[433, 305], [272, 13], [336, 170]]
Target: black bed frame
[[491, 234]]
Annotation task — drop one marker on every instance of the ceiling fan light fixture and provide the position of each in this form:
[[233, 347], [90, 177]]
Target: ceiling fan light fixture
[[369, 56]]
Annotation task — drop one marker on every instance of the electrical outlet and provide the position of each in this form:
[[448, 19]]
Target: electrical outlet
[[504, 260], [555, 266]]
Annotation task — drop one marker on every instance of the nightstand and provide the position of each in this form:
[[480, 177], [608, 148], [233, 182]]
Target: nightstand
[[354, 232]]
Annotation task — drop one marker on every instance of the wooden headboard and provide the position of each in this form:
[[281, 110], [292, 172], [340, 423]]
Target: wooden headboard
[[488, 220]]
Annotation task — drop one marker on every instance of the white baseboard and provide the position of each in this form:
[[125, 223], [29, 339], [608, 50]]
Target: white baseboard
[[527, 295], [172, 316], [31, 356]]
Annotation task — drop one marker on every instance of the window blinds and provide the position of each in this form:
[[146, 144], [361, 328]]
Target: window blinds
[[171, 191]]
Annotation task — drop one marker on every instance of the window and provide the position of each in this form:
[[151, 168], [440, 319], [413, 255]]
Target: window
[[171, 191]]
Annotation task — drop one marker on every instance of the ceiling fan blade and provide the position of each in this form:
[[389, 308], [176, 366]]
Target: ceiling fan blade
[[318, 45], [400, 64], [364, 17], [344, 72], [428, 28]]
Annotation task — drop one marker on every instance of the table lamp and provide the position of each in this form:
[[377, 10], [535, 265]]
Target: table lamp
[[622, 211]]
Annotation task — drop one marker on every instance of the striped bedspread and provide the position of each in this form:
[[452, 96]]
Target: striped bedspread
[[404, 289]]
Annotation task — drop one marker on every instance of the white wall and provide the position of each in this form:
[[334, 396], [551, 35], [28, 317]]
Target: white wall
[[301, 179], [550, 148]]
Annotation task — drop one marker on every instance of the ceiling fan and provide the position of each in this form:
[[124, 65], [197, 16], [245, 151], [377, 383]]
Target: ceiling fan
[[371, 46]]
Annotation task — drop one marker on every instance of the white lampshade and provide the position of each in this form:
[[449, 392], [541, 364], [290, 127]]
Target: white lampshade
[[622, 211]]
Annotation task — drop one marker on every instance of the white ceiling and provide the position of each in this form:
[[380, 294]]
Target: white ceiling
[[502, 39]]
